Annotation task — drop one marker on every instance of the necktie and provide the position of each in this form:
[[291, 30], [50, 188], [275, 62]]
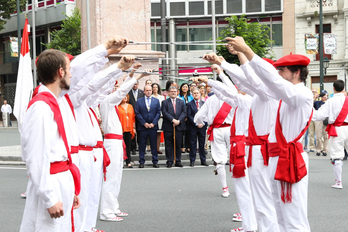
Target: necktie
[[174, 106], [135, 93], [197, 105], [148, 103]]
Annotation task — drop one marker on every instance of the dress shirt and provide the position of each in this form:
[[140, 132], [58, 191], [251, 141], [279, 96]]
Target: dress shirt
[[6, 108]]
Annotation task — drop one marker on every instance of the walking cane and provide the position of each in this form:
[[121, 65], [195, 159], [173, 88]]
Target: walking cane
[[174, 144]]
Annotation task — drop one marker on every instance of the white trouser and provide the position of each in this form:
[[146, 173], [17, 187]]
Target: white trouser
[[337, 144], [311, 133], [220, 148], [36, 217], [337, 168], [291, 216], [261, 191], [321, 136], [86, 162], [111, 187], [95, 189], [245, 200]]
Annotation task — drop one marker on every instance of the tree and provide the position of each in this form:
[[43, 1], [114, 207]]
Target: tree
[[8, 7], [254, 34], [68, 38]]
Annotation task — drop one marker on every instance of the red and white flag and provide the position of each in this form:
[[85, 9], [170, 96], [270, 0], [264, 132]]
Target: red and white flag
[[24, 86]]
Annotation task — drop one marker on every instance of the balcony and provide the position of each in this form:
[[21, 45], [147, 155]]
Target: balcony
[[47, 12]]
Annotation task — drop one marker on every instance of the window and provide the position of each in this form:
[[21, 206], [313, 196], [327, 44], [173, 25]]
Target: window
[[253, 6], [277, 34], [157, 38], [272, 5], [155, 9], [200, 34], [196, 8], [326, 29], [7, 58], [181, 36], [177, 9], [218, 7], [234, 6]]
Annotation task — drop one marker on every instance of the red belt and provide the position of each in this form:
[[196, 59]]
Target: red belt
[[274, 150], [85, 148], [260, 140], [74, 149], [237, 154], [60, 166], [106, 158], [211, 127], [119, 137]]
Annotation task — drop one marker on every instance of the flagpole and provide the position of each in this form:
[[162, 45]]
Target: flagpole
[[34, 39], [19, 29]]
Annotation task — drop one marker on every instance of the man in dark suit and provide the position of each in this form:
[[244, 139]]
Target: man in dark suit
[[174, 113], [196, 130], [134, 95], [147, 112]]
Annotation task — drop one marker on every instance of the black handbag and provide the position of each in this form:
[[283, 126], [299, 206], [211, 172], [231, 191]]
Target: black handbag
[[326, 121]]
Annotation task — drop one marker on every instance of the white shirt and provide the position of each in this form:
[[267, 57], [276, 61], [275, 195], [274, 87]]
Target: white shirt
[[6, 108], [297, 100], [331, 109], [209, 110], [111, 122], [42, 145]]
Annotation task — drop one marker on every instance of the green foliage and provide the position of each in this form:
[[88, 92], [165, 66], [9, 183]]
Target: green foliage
[[254, 34], [8, 7], [68, 39]]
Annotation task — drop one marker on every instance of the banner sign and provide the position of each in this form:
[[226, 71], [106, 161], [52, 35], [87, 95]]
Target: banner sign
[[14, 46], [312, 43], [330, 43]]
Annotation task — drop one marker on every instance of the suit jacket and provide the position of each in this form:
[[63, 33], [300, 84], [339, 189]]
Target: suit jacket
[[143, 115], [191, 112], [132, 100], [169, 115]]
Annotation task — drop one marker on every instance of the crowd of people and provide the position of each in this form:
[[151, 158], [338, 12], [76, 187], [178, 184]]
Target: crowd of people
[[255, 124], [142, 118]]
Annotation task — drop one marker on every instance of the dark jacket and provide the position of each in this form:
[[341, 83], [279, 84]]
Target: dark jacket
[[169, 115], [143, 115]]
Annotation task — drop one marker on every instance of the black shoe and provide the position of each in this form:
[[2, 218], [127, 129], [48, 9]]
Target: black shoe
[[141, 165], [204, 164], [133, 152], [169, 165], [155, 165], [345, 158], [178, 165], [192, 164], [205, 152], [324, 154], [183, 151], [318, 153]]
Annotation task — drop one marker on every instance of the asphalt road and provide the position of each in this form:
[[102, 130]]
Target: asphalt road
[[186, 199]]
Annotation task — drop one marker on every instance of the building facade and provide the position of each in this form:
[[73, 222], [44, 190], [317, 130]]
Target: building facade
[[335, 21], [48, 17]]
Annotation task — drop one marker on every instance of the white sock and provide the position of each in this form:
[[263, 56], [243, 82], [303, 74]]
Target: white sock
[[337, 168], [220, 168]]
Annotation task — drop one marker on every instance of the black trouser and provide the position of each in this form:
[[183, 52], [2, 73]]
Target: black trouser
[[169, 146], [201, 142], [127, 138]]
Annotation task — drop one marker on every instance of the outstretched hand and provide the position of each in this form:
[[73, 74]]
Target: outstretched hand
[[116, 44], [216, 68], [126, 62], [213, 58]]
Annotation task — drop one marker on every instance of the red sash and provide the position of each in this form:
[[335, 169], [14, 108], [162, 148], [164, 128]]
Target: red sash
[[254, 139], [237, 152], [60, 166], [331, 130], [70, 104], [291, 167], [106, 158], [119, 137], [74, 149], [219, 120]]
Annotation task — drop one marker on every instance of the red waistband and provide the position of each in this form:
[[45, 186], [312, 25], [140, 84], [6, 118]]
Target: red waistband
[[85, 148], [99, 144], [274, 150], [236, 138], [113, 136], [259, 140], [58, 167], [74, 149], [224, 125]]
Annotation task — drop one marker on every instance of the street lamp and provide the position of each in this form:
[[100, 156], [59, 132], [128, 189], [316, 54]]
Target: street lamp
[[326, 63]]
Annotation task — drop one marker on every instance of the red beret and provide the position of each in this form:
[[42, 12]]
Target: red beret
[[268, 60], [291, 60]]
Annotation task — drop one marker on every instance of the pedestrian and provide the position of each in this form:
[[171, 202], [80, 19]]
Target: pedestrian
[[6, 108], [148, 112], [186, 96], [174, 114], [336, 110], [156, 92], [320, 127]]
